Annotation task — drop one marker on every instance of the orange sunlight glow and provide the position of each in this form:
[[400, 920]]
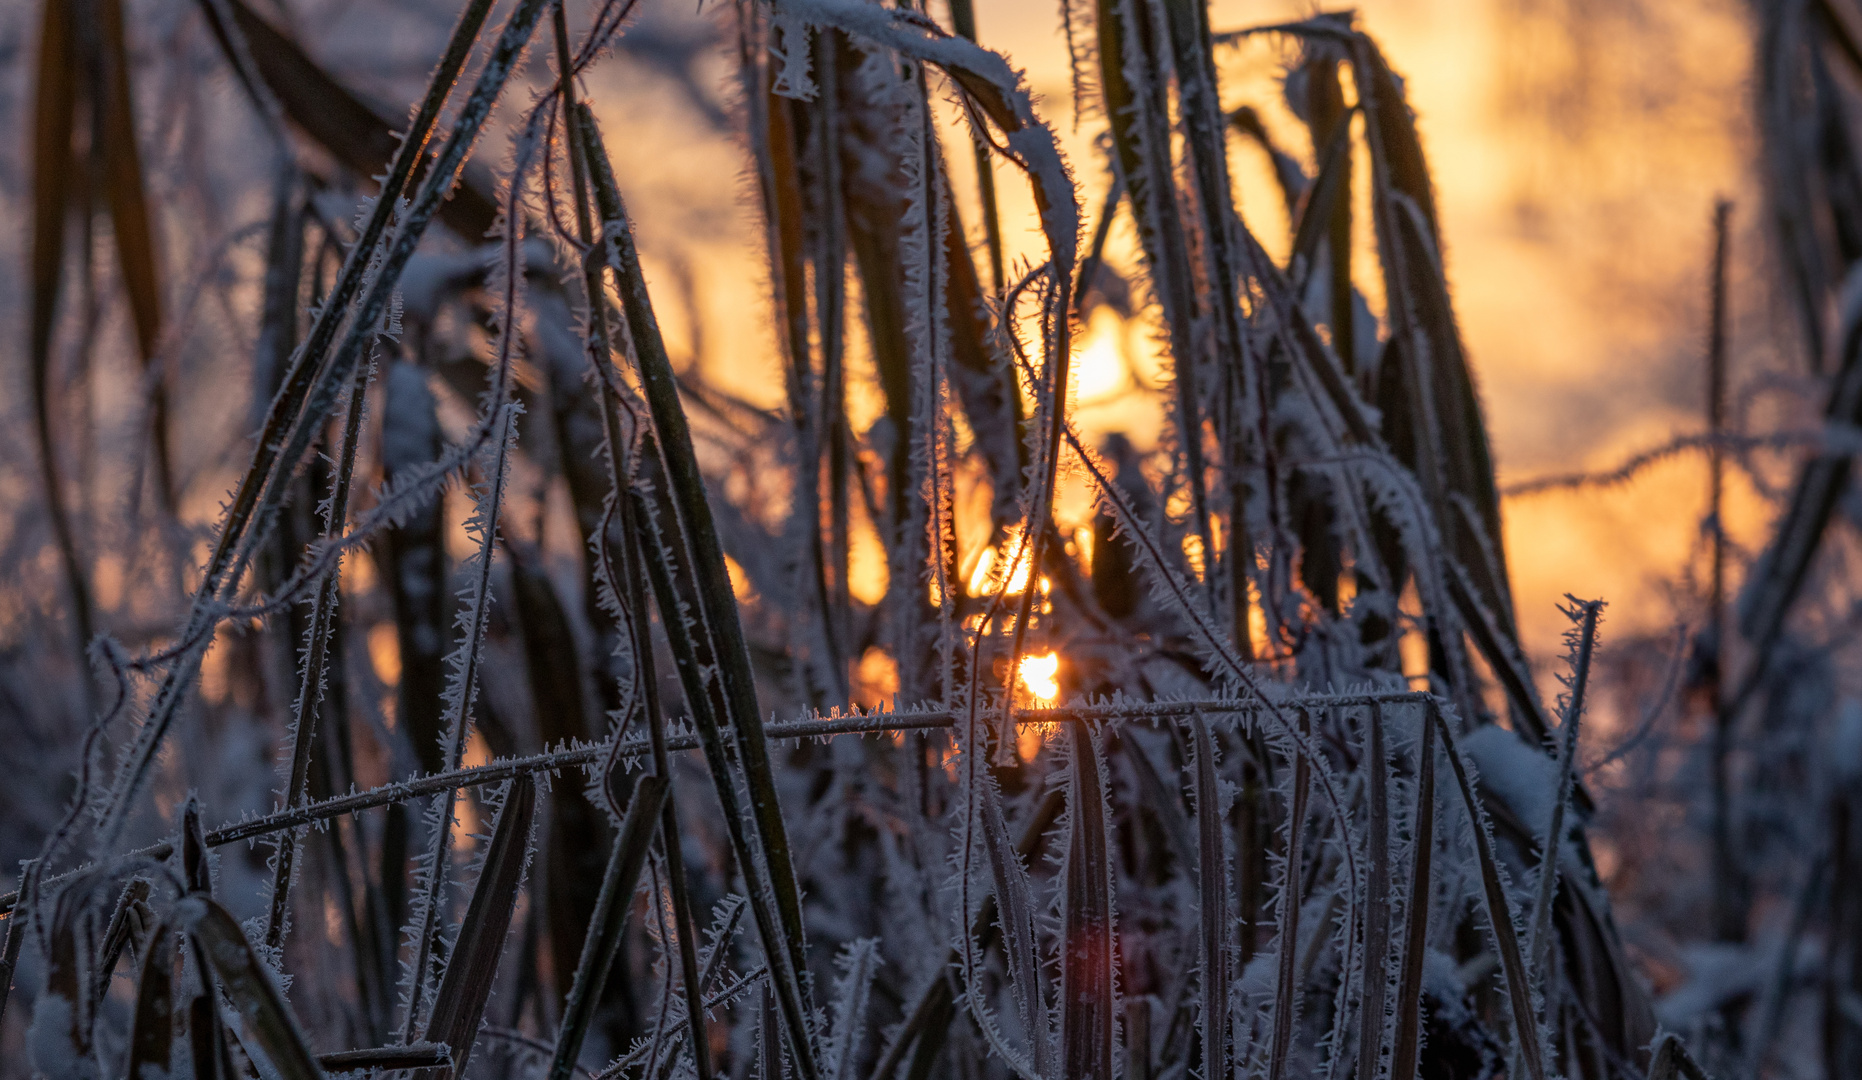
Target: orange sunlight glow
[[986, 581], [1099, 369], [740, 581], [1029, 741], [1040, 676], [385, 653], [1193, 554], [876, 678], [979, 577]]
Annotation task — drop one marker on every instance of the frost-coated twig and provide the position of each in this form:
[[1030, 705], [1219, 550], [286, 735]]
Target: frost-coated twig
[[555, 761], [1585, 614], [724, 996], [311, 685], [1833, 438], [420, 787], [475, 611]]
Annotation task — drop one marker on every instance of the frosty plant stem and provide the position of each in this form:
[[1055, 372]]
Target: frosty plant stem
[[717, 607], [1584, 613], [315, 668]]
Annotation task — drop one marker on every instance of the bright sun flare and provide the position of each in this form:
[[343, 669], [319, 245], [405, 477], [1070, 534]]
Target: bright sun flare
[[1041, 676]]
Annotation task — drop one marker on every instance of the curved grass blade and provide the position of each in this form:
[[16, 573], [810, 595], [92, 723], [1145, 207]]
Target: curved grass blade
[[1134, 102], [1327, 204], [928, 1023], [152, 1034], [1212, 906], [269, 1021], [1326, 215], [1499, 914], [459, 1005], [1289, 175], [1205, 128], [131, 908], [323, 108], [963, 20], [1539, 943], [603, 941], [1377, 913], [55, 109], [133, 230], [1015, 909], [1407, 1042], [1286, 980], [1086, 1022]]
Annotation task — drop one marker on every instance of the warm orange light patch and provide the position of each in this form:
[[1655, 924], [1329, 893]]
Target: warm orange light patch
[[1413, 645], [1018, 572], [1040, 676], [740, 582], [986, 579], [1257, 622], [1193, 554], [1099, 368], [215, 680], [107, 580], [1347, 588], [477, 752], [385, 654], [876, 678], [465, 823], [1083, 547], [358, 575], [332, 921], [1029, 740], [867, 576], [979, 577], [465, 812]]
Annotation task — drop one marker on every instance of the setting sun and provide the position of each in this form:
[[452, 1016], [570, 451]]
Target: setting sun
[[1040, 676]]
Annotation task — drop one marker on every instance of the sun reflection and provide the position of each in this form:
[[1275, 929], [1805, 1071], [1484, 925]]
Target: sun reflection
[[1040, 676]]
